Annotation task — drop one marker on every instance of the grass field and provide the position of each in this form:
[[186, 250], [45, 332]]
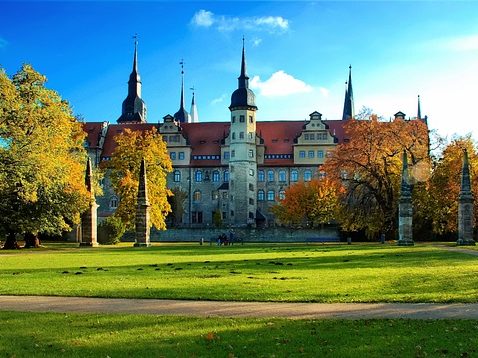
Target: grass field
[[91, 335], [300, 273]]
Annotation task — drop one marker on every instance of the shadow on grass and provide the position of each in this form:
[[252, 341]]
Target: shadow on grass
[[35, 334]]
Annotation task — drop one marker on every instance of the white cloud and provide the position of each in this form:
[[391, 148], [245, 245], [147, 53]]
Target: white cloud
[[280, 84], [324, 91], [455, 44], [218, 99], [256, 42], [204, 18]]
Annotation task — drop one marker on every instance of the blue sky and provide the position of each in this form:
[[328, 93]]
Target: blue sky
[[298, 55]]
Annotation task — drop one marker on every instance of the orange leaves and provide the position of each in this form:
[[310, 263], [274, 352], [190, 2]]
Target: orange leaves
[[369, 168], [309, 203], [124, 166]]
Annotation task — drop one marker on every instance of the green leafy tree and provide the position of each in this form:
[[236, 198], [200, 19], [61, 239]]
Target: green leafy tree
[[177, 201], [42, 159], [124, 166]]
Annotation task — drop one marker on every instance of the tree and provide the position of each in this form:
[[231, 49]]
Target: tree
[[177, 201], [369, 168], [440, 206], [42, 160], [308, 203], [131, 147]]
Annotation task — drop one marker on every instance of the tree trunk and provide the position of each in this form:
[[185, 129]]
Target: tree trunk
[[31, 241], [11, 242]]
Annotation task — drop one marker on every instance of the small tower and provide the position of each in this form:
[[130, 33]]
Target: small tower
[[194, 110], [405, 210], [465, 206], [134, 108], [243, 156], [419, 110], [142, 228], [89, 217], [182, 115], [349, 111]]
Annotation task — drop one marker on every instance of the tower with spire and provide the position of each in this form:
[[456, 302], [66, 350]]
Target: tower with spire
[[134, 108], [194, 111], [243, 156], [182, 115], [349, 111]]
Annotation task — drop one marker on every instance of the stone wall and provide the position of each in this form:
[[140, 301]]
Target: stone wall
[[248, 235]]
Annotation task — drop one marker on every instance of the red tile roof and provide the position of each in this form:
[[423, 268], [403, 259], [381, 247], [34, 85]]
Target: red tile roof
[[205, 138], [92, 130]]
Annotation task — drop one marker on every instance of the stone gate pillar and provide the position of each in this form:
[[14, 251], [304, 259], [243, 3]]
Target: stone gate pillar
[[405, 209], [88, 236], [142, 227], [465, 206]]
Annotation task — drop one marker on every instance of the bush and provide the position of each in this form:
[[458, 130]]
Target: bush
[[110, 231]]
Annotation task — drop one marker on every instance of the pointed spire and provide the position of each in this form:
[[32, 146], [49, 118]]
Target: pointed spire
[[243, 79], [349, 111], [405, 186], [134, 108], [194, 111], [142, 185], [89, 177], [182, 115], [243, 96], [465, 175], [419, 111]]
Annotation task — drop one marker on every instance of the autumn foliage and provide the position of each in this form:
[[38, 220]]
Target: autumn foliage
[[42, 159], [308, 204], [368, 166], [131, 147]]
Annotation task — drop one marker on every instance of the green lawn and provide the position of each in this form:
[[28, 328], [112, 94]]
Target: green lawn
[[314, 273], [91, 335]]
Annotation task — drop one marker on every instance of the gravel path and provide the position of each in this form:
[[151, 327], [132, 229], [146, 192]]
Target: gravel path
[[240, 309]]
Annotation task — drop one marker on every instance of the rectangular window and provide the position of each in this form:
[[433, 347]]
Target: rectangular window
[[251, 135], [172, 155], [241, 135], [320, 154], [181, 155], [311, 154], [302, 154], [251, 153], [241, 119], [233, 119], [197, 217], [251, 201], [251, 187], [226, 155], [306, 136], [233, 153], [251, 120]]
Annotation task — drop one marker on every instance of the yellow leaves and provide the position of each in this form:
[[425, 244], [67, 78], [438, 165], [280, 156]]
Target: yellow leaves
[[124, 167]]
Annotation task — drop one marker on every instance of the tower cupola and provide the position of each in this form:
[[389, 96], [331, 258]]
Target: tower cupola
[[134, 108], [243, 97]]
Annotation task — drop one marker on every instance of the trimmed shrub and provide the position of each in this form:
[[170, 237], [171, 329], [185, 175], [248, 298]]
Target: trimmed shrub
[[110, 231]]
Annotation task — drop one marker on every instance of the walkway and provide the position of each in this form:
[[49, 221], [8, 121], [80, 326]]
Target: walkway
[[239, 309]]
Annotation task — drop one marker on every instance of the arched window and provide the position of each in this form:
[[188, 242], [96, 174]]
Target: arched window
[[282, 194], [198, 175], [177, 176], [307, 175], [233, 135], [281, 175], [260, 195], [270, 175], [215, 176], [270, 195], [197, 196], [226, 176], [113, 202], [294, 175], [260, 175]]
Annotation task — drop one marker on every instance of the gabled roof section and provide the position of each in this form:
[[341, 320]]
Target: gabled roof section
[[93, 133]]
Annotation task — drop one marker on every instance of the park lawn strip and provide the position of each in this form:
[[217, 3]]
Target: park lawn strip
[[286, 273], [114, 335]]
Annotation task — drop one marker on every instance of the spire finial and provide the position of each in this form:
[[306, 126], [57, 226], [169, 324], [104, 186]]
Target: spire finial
[[243, 78], [135, 60], [419, 111], [349, 98], [182, 84]]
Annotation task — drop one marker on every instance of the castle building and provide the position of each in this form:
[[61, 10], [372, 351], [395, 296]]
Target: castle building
[[236, 169]]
